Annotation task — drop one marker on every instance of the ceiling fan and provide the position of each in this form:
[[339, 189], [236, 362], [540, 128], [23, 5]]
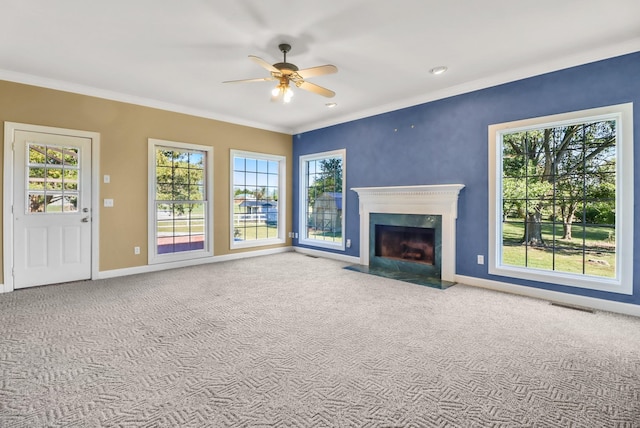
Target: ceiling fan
[[284, 73]]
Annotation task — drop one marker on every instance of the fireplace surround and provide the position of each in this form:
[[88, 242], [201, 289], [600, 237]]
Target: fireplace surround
[[430, 202]]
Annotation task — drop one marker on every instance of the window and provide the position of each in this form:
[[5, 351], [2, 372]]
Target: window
[[561, 190], [52, 178], [180, 201], [258, 199], [321, 199]]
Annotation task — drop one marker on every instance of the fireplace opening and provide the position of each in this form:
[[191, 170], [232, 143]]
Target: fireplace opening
[[411, 244]]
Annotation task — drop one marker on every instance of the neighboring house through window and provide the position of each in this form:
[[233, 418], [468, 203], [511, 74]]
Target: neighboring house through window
[[322, 202], [180, 201], [561, 190]]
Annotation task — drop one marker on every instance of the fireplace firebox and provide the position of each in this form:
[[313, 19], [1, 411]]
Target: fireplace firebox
[[406, 243]]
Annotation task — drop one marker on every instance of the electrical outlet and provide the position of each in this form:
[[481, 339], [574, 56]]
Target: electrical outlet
[[136, 250], [108, 203], [348, 243], [296, 235], [480, 259]]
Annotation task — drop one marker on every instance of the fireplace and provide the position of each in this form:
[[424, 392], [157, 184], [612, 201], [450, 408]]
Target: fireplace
[[428, 215]]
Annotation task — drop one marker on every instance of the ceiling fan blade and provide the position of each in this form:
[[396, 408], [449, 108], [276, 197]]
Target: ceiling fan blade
[[264, 64], [315, 89], [317, 71], [259, 79]]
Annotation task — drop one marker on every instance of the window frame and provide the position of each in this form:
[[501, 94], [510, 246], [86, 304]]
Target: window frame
[[623, 282], [282, 199], [207, 251], [302, 225]]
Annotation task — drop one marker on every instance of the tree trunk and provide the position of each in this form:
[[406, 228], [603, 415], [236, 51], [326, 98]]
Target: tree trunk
[[533, 229], [566, 229], [567, 221]]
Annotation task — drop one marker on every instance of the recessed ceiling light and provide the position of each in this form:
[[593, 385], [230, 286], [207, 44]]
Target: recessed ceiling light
[[438, 70], [331, 105]]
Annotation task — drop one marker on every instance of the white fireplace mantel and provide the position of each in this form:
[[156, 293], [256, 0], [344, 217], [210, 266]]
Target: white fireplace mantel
[[439, 199]]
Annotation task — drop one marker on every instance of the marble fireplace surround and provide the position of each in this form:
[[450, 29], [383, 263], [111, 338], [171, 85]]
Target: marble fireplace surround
[[439, 199]]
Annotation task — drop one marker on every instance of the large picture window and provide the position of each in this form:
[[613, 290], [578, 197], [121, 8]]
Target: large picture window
[[322, 203], [258, 199], [179, 201], [562, 199]]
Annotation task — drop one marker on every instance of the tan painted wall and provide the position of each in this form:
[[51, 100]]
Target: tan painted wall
[[124, 131]]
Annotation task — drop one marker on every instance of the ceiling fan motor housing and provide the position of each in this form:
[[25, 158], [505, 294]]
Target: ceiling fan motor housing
[[285, 67]]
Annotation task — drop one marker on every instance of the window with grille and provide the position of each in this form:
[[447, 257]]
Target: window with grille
[[562, 199], [322, 201], [258, 199], [52, 178], [180, 201]]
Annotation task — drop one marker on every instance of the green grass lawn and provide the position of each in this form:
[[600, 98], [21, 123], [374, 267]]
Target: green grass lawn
[[252, 230], [325, 235], [560, 254]]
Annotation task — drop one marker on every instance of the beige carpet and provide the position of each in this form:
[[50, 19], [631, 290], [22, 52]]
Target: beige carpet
[[290, 340]]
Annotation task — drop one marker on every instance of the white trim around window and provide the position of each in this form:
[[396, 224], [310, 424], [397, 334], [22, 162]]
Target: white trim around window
[[622, 283], [263, 179], [303, 215], [205, 200]]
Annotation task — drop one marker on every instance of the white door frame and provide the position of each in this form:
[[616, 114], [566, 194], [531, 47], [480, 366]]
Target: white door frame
[[7, 204]]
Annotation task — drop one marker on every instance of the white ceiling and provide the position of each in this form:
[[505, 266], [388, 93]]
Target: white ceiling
[[176, 54]]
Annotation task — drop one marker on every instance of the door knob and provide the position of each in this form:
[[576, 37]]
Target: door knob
[[85, 220]]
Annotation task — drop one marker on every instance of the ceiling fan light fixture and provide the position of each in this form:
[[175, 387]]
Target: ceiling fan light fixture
[[288, 94], [282, 92]]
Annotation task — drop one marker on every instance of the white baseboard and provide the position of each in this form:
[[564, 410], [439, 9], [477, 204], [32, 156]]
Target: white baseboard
[[327, 255], [554, 296], [3, 289], [173, 265]]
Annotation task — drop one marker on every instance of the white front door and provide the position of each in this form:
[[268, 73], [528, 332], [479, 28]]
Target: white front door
[[51, 208]]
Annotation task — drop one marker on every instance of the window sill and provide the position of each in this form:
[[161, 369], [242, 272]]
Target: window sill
[[256, 243], [322, 244], [610, 285]]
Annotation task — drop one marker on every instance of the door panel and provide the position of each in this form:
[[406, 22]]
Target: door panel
[[51, 208]]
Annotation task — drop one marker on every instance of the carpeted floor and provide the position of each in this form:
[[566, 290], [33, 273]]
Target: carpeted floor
[[290, 340]]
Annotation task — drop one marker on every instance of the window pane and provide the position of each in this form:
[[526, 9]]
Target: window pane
[[54, 156], [70, 204], [71, 156], [36, 178], [54, 179], [37, 154], [71, 179], [36, 203]]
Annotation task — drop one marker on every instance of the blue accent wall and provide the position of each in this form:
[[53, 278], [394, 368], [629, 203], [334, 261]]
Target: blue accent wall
[[445, 142]]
